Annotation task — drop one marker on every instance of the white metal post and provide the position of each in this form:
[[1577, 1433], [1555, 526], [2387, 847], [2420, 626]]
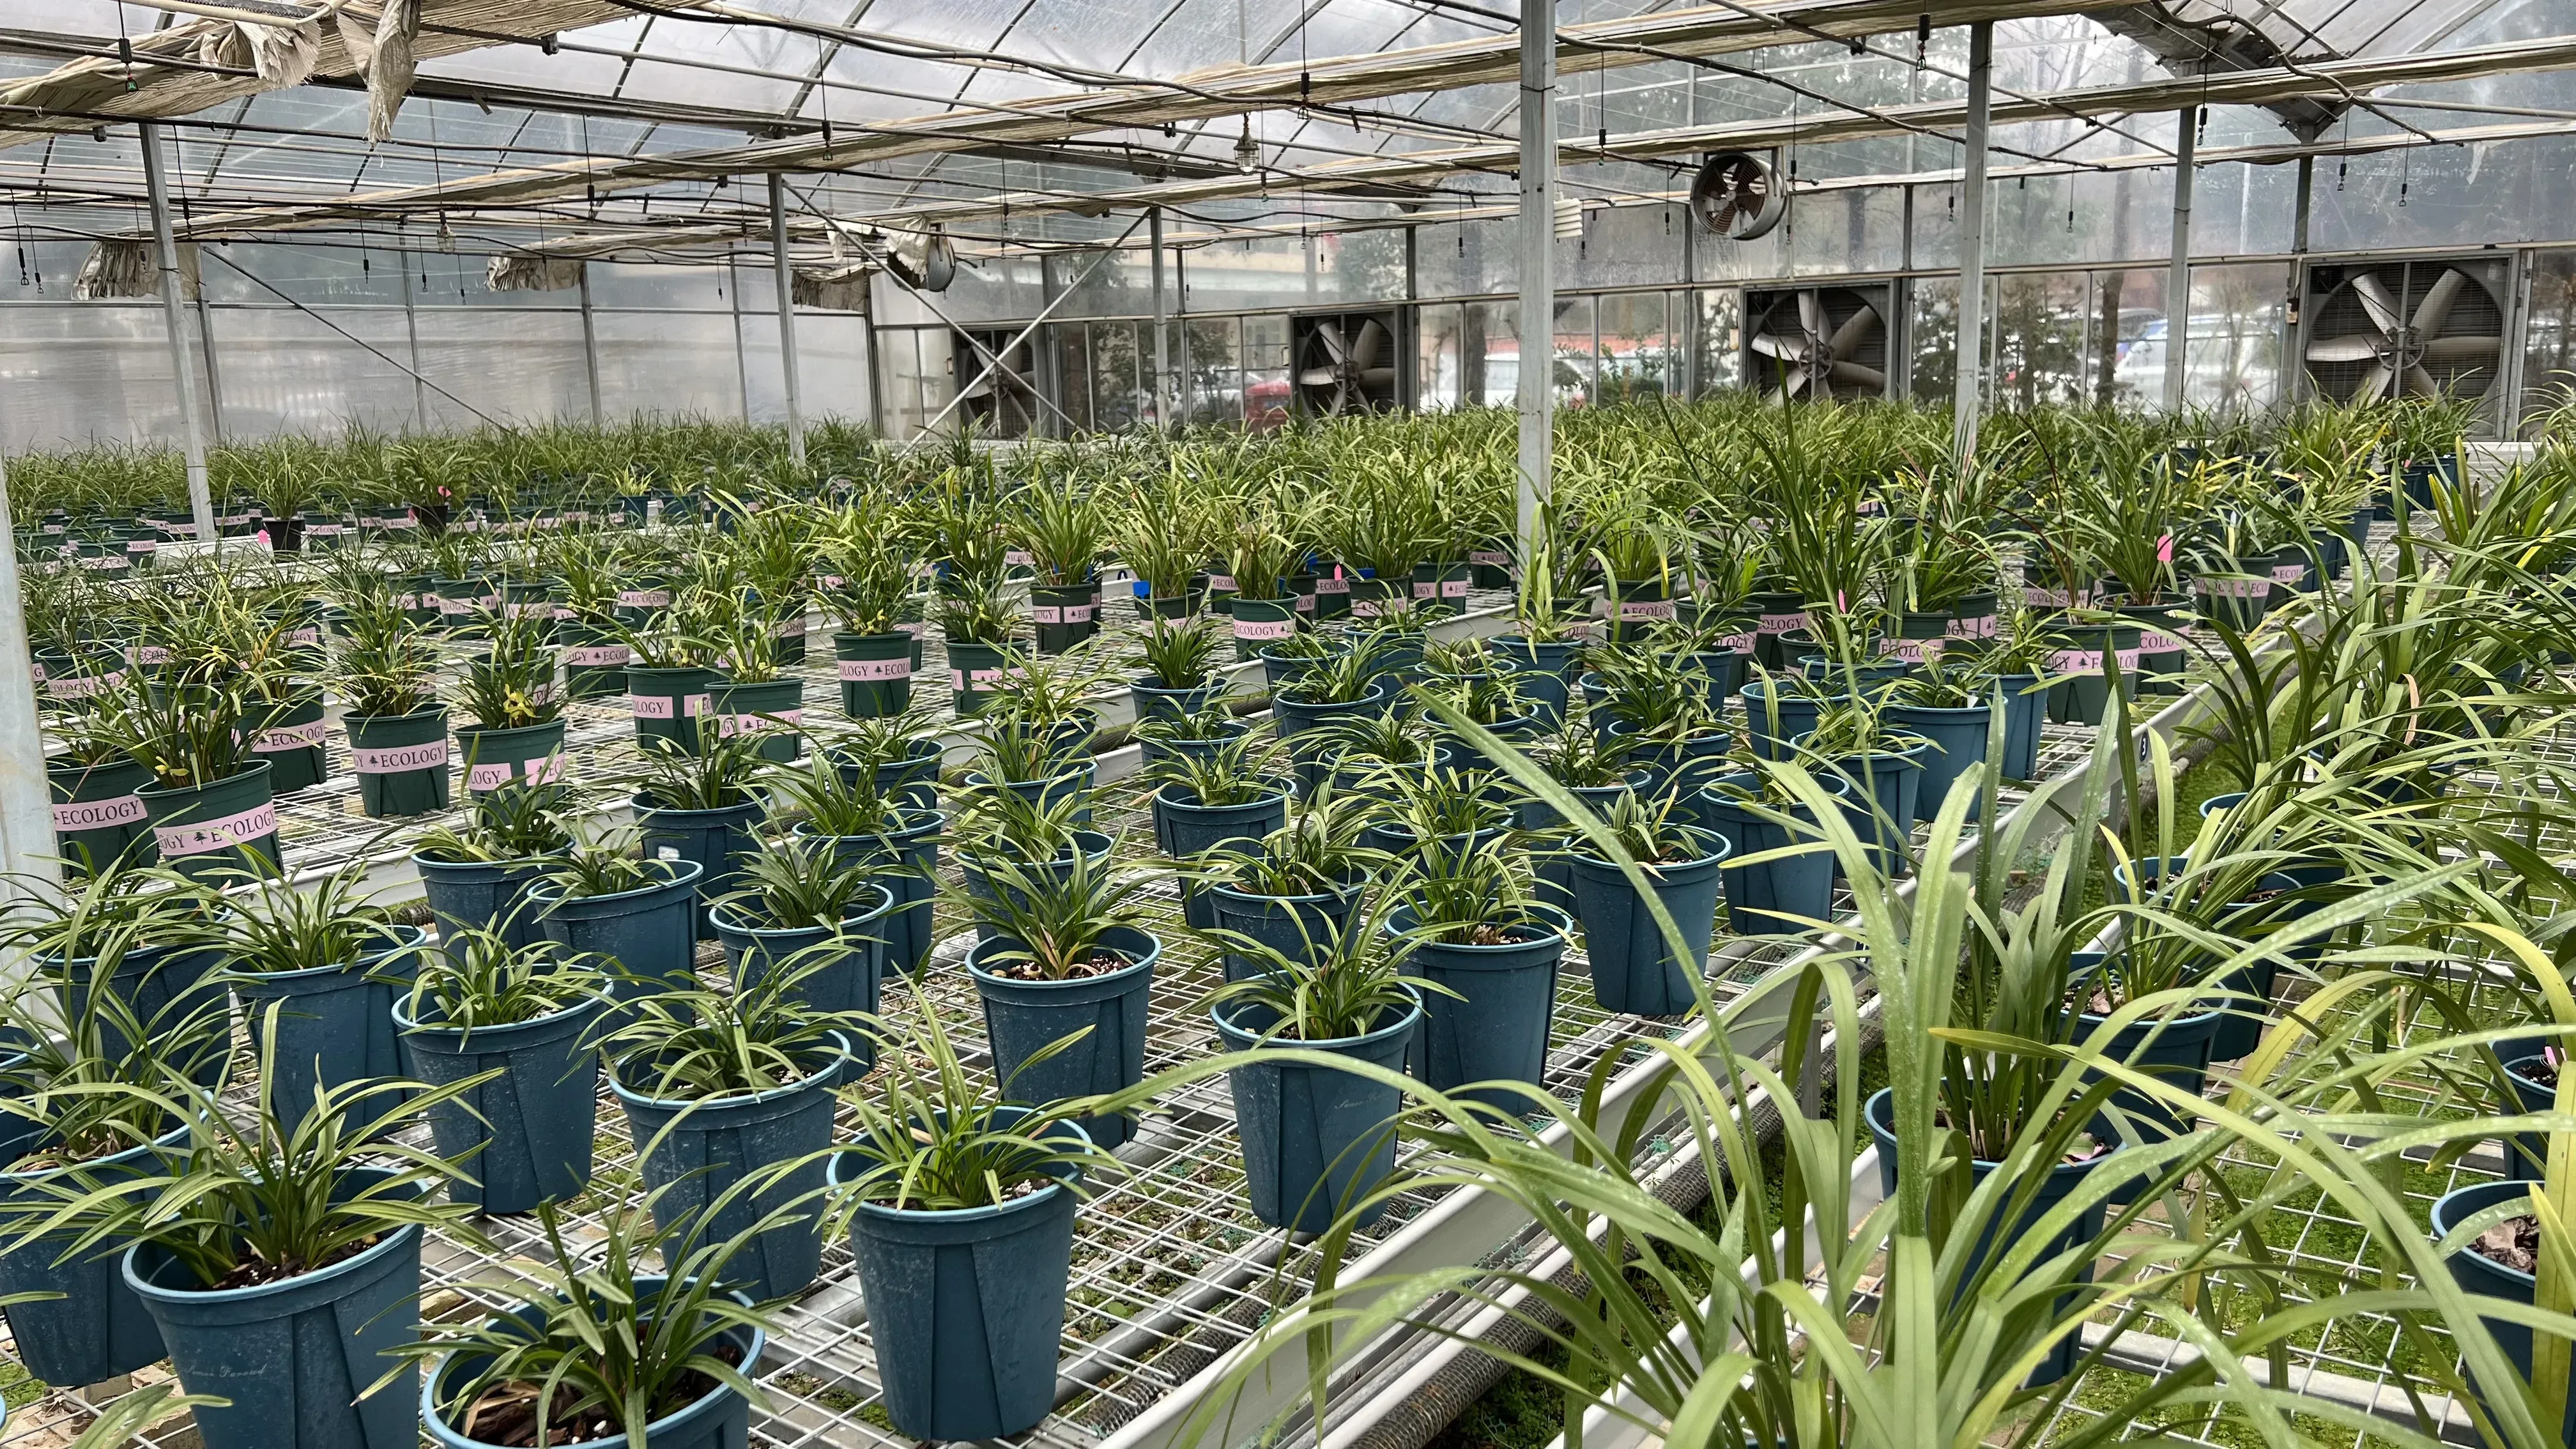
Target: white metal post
[[1162, 325], [590, 351], [201, 502], [786, 315], [1971, 368], [1537, 260], [2178, 272], [214, 369], [26, 803], [2294, 368]]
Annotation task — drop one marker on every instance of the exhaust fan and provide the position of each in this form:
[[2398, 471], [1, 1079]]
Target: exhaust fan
[[2415, 329], [1347, 362], [1002, 399], [1738, 196], [1817, 342]]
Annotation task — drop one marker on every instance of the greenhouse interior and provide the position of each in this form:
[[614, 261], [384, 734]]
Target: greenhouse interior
[[859, 723]]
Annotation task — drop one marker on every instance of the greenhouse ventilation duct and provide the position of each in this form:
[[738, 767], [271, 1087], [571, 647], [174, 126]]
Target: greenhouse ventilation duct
[[834, 289], [121, 269], [520, 272]]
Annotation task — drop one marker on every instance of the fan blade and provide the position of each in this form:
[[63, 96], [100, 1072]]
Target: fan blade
[[1798, 381], [2355, 348], [1376, 377], [1341, 399], [2420, 383], [1318, 377], [1853, 372], [1789, 349], [2374, 384], [1811, 313], [2436, 308], [2376, 301], [2451, 349], [1372, 337], [1331, 336], [978, 390], [1855, 330]]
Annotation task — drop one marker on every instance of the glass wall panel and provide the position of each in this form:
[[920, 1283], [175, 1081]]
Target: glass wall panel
[[1266, 393], [1489, 354], [505, 366], [1577, 369], [1122, 285], [1235, 276], [1638, 356], [1073, 373], [285, 371], [1436, 358], [1360, 266], [2042, 336], [642, 285], [1464, 258], [1718, 334], [1215, 369], [2234, 362], [1117, 378], [2549, 335], [990, 289], [1932, 329], [1624, 246], [667, 364]]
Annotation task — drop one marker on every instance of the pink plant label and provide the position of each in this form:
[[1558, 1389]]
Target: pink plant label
[[38, 671], [83, 686], [830, 581], [1912, 651], [1336, 584], [869, 671], [1426, 589], [1367, 608], [325, 530], [2089, 661], [2152, 642], [98, 814], [547, 771], [200, 837], [1981, 627], [2042, 598], [151, 654], [1019, 558], [2232, 588], [1491, 558], [752, 724], [290, 737], [1648, 609], [145, 545], [399, 759], [1780, 623], [1453, 588], [2288, 573], [658, 706], [1736, 643], [644, 598], [913, 627], [594, 655], [1221, 583], [2164, 548], [106, 563], [1264, 628], [309, 636], [790, 628], [1305, 603], [52, 528], [983, 678]]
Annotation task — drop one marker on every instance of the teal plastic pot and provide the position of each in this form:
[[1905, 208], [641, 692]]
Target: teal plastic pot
[[1152, 751], [1516, 732], [1633, 966], [716, 839], [1772, 719], [2482, 1275], [1398, 839], [1545, 670], [1441, 588], [1556, 871], [709, 1144], [206, 831], [294, 1355], [2240, 598], [913, 780], [1301, 928], [401, 763], [1186, 830], [2526, 1154], [1880, 804], [1680, 768], [527, 1133], [1153, 701], [1023, 1017], [1260, 623], [1293, 716], [980, 1293], [720, 1419], [847, 984], [667, 704], [594, 661], [2175, 1048], [1279, 671], [2025, 706], [526, 756], [2062, 1182], [1495, 1028], [1090, 843], [875, 673], [773, 709], [98, 817], [334, 1023], [1958, 739], [649, 932], [1315, 1139], [163, 986], [1772, 897], [1063, 616], [98, 1329], [2093, 652], [482, 895], [292, 743], [903, 863], [975, 673]]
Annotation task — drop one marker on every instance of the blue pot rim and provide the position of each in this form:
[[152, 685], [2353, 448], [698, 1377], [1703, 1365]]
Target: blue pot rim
[[647, 814], [432, 865], [10, 1178], [1186, 809], [1724, 849], [1942, 713], [1380, 686], [1082, 843], [1118, 978], [409, 1234], [1222, 889], [1227, 1029], [1030, 1203], [418, 940], [1544, 914], [450, 1438], [824, 1077], [683, 873], [718, 915], [2498, 1190], [936, 821], [1886, 1137], [465, 1035]]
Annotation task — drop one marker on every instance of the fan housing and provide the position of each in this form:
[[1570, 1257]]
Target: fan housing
[[1351, 361], [1002, 401], [1817, 342], [2414, 328]]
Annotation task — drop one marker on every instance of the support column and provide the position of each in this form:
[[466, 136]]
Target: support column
[[786, 315], [1162, 326], [214, 371], [590, 351], [411, 330], [1537, 261], [2178, 271], [876, 368], [201, 503], [26, 804], [2294, 324], [1970, 403]]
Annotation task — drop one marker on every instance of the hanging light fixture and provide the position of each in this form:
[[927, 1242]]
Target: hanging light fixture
[[1247, 152]]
